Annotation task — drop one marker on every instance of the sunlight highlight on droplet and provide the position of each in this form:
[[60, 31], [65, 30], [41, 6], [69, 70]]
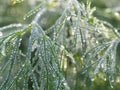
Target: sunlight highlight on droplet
[[1, 34]]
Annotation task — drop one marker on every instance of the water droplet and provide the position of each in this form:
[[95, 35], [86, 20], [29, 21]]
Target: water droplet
[[97, 42], [92, 78], [1, 34], [62, 47], [112, 81], [117, 14], [116, 30], [24, 18], [104, 79], [75, 28], [20, 78], [33, 86], [68, 18], [23, 65], [33, 12], [15, 77], [32, 70], [111, 86]]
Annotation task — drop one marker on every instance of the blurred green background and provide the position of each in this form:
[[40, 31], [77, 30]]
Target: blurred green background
[[14, 13]]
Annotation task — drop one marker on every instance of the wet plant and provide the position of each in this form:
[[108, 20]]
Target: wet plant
[[45, 56]]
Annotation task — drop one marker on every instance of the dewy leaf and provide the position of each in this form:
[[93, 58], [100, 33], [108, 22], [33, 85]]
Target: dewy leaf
[[55, 63], [35, 10]]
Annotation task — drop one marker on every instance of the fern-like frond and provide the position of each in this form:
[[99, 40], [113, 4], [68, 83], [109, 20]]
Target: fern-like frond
[[36, 59]]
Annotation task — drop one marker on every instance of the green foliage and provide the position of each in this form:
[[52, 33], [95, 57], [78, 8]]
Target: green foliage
[[108, 11], [64, 48]]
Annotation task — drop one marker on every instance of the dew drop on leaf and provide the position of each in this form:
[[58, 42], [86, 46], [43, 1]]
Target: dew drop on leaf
[[104, 79], [111, 86], [24, 18], [20, 78], [1, 34], [92, 79], [23, 65]]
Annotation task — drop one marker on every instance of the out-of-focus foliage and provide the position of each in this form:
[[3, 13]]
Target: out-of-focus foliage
[[59, 45], [108, 11], [12, 11]]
